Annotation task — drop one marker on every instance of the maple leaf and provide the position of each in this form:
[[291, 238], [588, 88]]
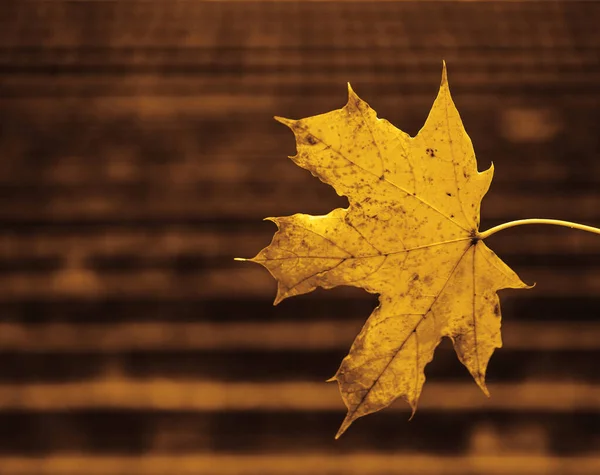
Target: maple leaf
[[410, 234]]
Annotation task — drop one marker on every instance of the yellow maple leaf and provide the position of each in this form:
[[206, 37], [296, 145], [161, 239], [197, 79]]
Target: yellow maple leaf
[[410, 234]]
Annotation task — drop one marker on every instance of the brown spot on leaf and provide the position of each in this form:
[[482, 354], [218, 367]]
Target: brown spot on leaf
[[430, 152]]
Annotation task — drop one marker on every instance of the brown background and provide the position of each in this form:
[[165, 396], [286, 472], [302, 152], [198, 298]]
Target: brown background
[[139, 156]]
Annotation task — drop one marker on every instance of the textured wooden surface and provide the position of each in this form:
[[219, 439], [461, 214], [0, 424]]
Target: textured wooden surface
[[139, 156]]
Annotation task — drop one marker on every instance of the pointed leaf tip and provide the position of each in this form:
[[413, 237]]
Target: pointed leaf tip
[[483, 387], [289, 122], [413, 407], [280, 297], [444, 73], [352, 96], [273, 220], [343, 428]]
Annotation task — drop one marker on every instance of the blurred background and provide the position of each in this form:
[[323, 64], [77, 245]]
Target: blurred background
[[139, 156]]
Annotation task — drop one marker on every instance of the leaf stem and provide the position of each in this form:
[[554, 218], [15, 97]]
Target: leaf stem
[[555, 222]]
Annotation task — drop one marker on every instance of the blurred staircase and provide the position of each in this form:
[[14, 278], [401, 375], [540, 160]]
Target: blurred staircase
[[139, 156]]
